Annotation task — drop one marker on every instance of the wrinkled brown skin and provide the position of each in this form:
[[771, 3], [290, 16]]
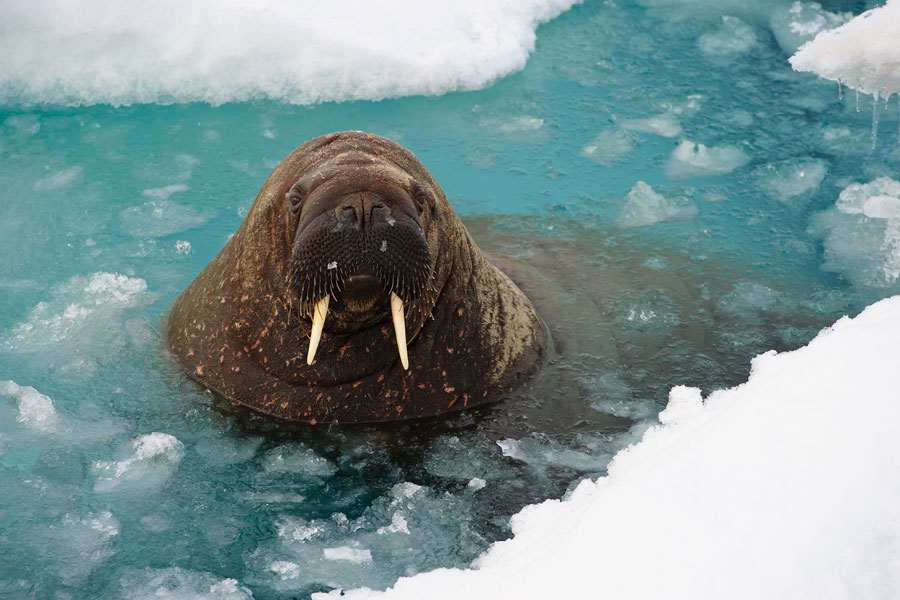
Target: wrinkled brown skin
[[236, 328]]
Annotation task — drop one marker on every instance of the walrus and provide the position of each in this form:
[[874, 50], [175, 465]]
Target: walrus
[[352, 293]]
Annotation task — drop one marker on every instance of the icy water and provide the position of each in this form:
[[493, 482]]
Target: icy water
[[655, 262]]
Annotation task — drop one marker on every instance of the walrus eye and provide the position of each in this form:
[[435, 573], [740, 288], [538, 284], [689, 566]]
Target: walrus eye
[[294, 200], [418, 195]]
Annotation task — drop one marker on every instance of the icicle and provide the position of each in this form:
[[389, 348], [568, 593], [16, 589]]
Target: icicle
[[857, 100], [840, 90], [874, 120]]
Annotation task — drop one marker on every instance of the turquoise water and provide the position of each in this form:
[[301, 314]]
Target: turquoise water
[[118, 475]]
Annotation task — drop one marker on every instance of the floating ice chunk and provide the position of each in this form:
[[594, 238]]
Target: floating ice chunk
[[82, 320], [299, 459], [398, 525], [476, 483], [643, 207], [610, 147], [610, 394], [856, 196], [91, 52], [882, 207], [58, 180], [692, 159], [77, 544], [545, 453], [163, 193], [863, 54], [520, 123], [862, 233], [397, 533], [800, 22], [348, 553], [296, 529], [176, 583], [461, 458], [732, 38], [227, 450], [751, 298], [790, 179], [286, 569], [153, 460], [162, 217], [664, 124], [35, 409]]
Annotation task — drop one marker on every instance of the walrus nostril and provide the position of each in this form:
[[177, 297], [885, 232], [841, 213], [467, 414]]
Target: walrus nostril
[[380, 214], [347, 217]]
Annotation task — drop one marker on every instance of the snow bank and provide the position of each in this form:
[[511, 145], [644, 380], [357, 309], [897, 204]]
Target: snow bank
[[863, 54], [783, 487], [89, 51]]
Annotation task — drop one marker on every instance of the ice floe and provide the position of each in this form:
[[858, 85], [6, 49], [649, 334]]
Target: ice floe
[[863, 54], [783, 487], [89, 52]]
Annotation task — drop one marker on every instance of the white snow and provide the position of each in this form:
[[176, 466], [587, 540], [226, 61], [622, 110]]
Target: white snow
[[643, 206], [784, 487], [863, 54], [88, 51], [692, 159]]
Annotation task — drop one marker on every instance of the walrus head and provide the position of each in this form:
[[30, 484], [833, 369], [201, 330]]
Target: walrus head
[[350, 255], [360, 251]]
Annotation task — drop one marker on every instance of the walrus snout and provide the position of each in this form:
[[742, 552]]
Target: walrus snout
[[359, 257]]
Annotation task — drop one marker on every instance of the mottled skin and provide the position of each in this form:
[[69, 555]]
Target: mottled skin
[[241, 330]]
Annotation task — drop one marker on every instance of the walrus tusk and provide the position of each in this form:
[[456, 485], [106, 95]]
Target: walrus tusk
[[399, 328], [319, 314]]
